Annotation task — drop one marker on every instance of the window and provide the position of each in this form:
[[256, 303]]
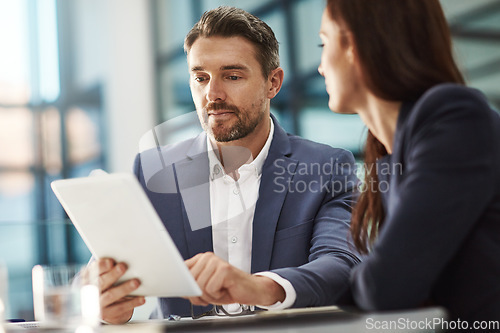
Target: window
[[49, 129]]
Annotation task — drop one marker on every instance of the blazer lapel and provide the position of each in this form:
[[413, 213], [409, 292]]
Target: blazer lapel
[[192, 175], [271, 197]]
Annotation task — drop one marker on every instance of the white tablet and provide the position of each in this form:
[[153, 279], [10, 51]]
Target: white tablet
[[116, 219]]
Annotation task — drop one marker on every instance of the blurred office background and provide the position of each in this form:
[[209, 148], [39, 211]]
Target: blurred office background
[[82, 80]]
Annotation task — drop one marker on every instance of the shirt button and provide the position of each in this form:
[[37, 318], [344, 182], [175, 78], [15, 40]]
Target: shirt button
[[217, 169], [234, 239], [236, 191]]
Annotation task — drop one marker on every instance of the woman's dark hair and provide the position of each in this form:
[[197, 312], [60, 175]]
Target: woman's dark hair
[[227, 21], [404, 48]]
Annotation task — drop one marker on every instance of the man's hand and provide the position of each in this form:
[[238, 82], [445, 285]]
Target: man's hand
[[222, 283], [116, 306]]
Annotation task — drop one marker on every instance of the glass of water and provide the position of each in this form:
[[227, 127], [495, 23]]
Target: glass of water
[[66, 296]]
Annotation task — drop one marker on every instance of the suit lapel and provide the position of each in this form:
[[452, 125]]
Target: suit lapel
[[272, 194], [192, 175]]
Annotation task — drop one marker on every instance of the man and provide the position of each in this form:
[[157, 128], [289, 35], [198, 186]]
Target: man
[[247, 197]]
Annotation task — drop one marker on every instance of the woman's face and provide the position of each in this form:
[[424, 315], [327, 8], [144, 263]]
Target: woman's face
[[338, 67]]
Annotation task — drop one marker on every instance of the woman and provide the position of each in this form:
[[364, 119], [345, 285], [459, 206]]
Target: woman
[[432, 186]]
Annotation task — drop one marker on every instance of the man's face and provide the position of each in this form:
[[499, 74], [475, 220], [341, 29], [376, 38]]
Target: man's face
[[228, 89]]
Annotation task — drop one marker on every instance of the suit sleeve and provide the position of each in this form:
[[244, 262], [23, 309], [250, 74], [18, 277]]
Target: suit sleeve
[[325, 277], [439, 196]]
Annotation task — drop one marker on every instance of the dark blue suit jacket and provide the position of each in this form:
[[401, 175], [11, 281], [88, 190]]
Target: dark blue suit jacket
[[302, 216], [440, 241]]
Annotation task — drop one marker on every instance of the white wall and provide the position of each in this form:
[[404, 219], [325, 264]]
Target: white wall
[[112, 43], [129, 89]]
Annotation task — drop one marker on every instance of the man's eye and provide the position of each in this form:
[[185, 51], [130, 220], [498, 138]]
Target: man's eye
[[233, 77], [199, 79]]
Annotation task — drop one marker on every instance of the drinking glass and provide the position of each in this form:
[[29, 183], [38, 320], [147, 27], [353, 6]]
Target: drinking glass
[[66, 296]]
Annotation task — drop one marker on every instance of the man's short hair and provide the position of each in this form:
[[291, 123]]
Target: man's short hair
[[227, 21]]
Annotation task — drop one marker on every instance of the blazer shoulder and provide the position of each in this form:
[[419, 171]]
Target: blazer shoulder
[[181, 147], [155, 159], [452, 103], [175, 151], [448, 96]]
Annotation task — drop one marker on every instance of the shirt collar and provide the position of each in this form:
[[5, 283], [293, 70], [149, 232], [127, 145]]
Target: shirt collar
[[216, 169]]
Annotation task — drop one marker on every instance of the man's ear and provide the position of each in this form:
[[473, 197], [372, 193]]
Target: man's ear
[[275, 80]]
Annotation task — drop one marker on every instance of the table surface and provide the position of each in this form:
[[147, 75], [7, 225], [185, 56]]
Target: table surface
[[312, 320]]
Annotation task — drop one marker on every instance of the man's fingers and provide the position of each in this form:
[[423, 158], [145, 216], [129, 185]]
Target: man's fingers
[[214, 286], [109, 277], [104, 265], [212, 274], [115, 294], [203, 272], [205, 299], [116, 306], [192, 261], [208, 267], [199, 257], [198, 301], [122, 311], [197, 263]]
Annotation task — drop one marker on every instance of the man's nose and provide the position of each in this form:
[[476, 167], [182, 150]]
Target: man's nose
[[215, 90]]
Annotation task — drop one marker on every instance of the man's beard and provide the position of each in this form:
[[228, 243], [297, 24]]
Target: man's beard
[[244, 124]]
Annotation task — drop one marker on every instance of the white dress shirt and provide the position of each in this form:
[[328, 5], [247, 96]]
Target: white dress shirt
[[232, 204]]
